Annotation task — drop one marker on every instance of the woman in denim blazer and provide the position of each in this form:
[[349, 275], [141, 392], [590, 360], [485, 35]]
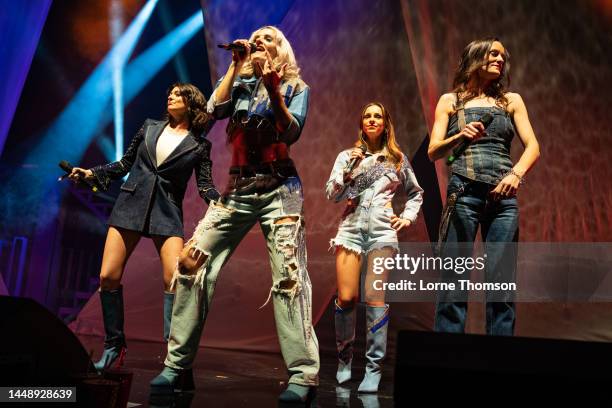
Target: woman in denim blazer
[[160, 160]]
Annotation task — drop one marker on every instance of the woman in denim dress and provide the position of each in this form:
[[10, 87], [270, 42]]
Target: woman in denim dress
[[483, 183], [368, 177], [160, 161]]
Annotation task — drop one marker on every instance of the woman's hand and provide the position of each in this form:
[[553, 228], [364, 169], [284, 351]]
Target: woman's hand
[[78, 173], [472, 132], [270, 77], [240, 56], [398, 223], [506, 188], [358, 154]]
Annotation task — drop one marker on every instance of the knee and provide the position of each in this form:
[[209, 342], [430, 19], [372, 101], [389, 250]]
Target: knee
[[189, 261], [346, 302], [108, 281], [167, 282], [374, 298], [186, 265]]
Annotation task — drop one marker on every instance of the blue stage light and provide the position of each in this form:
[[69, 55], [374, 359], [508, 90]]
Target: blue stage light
[[71, 133]]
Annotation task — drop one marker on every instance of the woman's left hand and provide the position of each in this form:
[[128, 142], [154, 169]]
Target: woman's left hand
[[506, 188], [398, 223], [270, 77]]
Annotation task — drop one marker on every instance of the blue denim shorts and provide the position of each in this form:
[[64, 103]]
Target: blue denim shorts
[[366, 229]]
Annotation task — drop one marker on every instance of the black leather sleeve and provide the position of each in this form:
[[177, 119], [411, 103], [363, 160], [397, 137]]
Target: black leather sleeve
[[203, 172], [113, 171]]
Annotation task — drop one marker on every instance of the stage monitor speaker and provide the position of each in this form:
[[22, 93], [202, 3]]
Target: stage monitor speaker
[[36, 348], [499, 369]]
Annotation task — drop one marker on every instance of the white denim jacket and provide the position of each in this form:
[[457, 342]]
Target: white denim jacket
[[375, 182]]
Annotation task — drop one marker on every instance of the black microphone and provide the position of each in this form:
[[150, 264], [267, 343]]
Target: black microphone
[[67, 167], [349, 168], [237, 47], [486, 120]]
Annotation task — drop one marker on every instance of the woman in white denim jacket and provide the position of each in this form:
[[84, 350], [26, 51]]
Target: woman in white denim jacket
[[368, 177]]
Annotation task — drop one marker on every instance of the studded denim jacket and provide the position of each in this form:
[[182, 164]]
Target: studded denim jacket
[[375, 182], [249, 100]]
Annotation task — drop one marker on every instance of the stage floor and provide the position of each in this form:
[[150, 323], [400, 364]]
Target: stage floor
[[226, 378]]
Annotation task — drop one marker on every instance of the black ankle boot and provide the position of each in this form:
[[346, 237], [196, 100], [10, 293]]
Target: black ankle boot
[[171, 380]]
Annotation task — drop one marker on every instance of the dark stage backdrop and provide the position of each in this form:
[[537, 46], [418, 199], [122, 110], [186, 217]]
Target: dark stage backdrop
[[402, 53]]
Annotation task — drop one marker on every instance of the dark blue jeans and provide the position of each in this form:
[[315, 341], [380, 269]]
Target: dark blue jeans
[[498, 221]]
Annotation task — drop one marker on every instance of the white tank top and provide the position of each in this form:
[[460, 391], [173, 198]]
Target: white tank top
[[167, 142]]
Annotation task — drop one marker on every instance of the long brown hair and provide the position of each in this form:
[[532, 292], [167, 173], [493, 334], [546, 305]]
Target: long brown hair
[[394, 152], [474, 55], [196, 106]]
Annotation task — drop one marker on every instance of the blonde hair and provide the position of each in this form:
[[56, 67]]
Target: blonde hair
[[394, 154], [284, 55]]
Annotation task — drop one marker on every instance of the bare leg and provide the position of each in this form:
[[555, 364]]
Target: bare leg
[[169, 249], [120, 244], [348, 267], [376, 297], [190, 260]]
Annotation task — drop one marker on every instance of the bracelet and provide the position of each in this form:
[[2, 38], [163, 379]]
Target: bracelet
[[514, 173]]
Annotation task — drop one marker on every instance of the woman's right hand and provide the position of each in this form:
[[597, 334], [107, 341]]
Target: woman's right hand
[[358, 154], [78, 173], [472, 132], [241, 56]]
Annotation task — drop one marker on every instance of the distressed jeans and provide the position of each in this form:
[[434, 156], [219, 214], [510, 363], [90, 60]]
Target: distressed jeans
[[216, 236], [498, 221]]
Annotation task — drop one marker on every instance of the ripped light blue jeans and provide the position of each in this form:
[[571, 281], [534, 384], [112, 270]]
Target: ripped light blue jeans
[[216, 236]]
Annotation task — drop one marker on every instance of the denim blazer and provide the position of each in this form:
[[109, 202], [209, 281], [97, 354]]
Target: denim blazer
[[376, 176], [151, 199], [249, 97]]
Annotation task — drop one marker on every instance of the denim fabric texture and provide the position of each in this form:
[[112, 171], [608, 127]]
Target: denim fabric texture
[[151, 199], [499, 229], [217, 236], [249, 98], [366, 222], [278, 208], [488, 158]]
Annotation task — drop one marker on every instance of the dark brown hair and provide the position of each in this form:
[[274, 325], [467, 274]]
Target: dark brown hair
[[389, 141], [473, 57], [196, 106]]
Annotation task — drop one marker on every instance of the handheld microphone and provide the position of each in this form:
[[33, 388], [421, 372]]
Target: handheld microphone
[[351, 166], [237, 47], [67, 167], [486, 120]]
